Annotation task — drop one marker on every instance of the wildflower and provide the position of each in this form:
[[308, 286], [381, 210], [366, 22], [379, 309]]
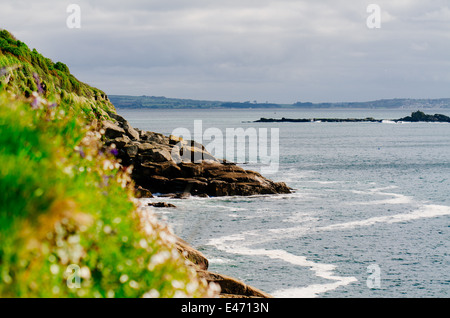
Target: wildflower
[[106, 179], [38, 83], [158, 259], [80, 151], [134, 284], [114, 152], [3, 71], [123, 279], [7, 69], [85, 272], [37, 100], [151, 294]]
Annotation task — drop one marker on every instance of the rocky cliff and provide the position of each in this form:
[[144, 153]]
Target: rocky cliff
[[229, 286]]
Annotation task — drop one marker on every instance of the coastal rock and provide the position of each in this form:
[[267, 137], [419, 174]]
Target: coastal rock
[[191, 254], [121, 141], [156, 155], [229, 286], [417, 116], [162, 205], [420, 116], [130, 131], [112, 130], [130, 150], [140, 192], [172, 165]]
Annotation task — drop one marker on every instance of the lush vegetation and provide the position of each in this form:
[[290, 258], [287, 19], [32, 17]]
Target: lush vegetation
[[69, 223], [29, 71]]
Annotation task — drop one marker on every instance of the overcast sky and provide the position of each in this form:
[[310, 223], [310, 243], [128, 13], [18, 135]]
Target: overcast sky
[[237, 50]]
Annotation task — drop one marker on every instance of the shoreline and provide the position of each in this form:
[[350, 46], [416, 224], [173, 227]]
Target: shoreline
[[156, 171]]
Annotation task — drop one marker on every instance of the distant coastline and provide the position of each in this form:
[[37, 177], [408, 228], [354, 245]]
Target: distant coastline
[[161, 102]]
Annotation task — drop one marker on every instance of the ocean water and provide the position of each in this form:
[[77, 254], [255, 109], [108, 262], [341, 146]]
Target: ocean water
[[370, 215]]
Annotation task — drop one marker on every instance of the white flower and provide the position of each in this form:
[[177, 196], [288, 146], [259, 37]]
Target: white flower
[[151, 294], [123, 279]]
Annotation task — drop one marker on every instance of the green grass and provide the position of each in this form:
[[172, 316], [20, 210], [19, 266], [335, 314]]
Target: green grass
[[67, 208]]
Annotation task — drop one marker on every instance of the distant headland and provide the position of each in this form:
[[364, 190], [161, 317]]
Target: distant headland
[[161, 102]]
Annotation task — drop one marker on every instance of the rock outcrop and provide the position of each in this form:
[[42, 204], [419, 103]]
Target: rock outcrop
[[419, 116], [229, 286], [170, 164]]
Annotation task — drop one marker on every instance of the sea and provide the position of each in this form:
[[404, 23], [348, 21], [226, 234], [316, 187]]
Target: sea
[[369, 215]]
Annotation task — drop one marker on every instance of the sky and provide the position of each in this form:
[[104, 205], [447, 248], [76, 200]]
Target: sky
[[280, 51]]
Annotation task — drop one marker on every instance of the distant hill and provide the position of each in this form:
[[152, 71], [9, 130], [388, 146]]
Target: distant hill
[[125, 101], [161, 102], [382, 103]]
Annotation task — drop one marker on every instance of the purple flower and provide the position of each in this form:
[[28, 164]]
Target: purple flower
[[114, 151], [35, 103], [38, 83], [106, 180], [3, 71], [81, 152]]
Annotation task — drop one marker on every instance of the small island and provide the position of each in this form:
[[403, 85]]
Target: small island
[[417, 116]]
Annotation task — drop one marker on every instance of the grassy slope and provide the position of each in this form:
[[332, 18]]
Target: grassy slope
[[66, 206]]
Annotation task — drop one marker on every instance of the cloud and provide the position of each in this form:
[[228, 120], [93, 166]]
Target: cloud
[[281, 51]]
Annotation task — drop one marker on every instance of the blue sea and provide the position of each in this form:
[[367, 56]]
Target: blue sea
[[369, 216]]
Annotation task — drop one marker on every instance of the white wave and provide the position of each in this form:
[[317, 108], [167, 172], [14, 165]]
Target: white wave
[[374, 191], [397, 199], [427, 211], [320, 270], [225, 207], [235, 244], [219, 261], [313, 290], [323, 182]]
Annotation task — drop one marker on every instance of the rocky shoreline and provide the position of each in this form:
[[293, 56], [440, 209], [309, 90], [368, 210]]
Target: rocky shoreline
[[179, 168], [229, 286], [170, 167]]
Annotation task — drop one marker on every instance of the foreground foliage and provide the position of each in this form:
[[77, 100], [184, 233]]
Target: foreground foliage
[[69, 224]]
